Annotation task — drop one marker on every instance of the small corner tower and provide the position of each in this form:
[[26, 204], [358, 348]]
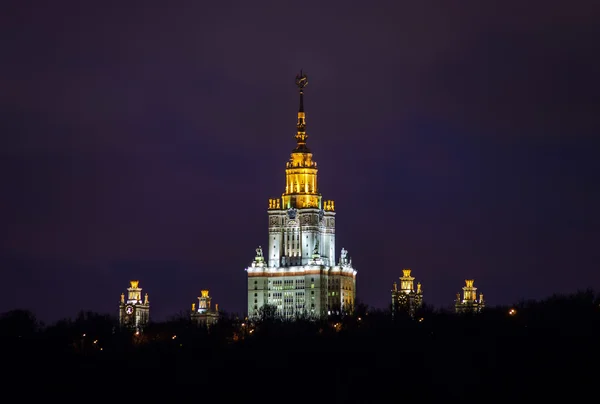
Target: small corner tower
[[205, 314], [406, 299], [133, 312], [469, 302]]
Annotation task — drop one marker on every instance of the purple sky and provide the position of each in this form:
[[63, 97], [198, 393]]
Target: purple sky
[[143, 142]]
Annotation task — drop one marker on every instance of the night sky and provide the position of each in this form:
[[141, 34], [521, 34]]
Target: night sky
[[459, 139]]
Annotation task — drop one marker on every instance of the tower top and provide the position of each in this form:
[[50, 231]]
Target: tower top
[[301, 80], [301, 136], [134, 284]]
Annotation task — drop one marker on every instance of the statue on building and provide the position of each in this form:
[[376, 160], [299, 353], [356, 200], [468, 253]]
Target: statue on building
[[343, 256], [259, 252]]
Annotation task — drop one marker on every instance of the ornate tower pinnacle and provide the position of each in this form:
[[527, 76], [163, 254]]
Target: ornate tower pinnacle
[[133, 312], [301, 136]]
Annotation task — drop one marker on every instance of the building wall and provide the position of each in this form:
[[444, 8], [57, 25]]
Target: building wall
[[140, 317], [311, 290]]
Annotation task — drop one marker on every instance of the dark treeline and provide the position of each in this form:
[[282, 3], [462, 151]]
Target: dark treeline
[[539, 349]]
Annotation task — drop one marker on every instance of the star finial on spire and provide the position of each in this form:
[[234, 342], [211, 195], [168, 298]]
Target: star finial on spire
[[301, 136]]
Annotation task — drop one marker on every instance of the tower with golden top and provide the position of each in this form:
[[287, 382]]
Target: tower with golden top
[[469, 301], [299, 274], [406, 299], [134, 312], [205, 314]]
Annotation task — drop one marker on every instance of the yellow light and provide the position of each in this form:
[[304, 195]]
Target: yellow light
[[174, 336], [96, 341], [512, 312], [421, 320], [83, 335]]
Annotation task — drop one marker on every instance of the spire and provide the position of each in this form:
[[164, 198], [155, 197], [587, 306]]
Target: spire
[[301, 136]]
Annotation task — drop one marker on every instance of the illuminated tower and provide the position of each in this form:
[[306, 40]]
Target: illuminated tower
[[469, 302], [205, 314], [299, 274], [406, 299], [134, 313]]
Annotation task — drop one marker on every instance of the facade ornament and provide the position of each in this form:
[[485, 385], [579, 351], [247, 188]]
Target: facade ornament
[[343, 256]]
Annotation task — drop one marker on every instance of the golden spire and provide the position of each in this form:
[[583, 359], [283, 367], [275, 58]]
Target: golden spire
[[301, 136], [301, 189]]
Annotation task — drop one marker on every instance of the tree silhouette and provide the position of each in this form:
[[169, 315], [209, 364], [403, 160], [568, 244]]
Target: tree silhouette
[[18, 324]]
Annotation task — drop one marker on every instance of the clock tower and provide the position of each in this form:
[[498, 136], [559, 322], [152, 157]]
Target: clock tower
[[298, 273], [133, 312]]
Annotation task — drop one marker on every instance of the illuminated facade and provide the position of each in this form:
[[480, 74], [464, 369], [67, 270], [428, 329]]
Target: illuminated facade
[[406, 299], [469, 302], [205, 314], [298, 274], [133, 312]]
